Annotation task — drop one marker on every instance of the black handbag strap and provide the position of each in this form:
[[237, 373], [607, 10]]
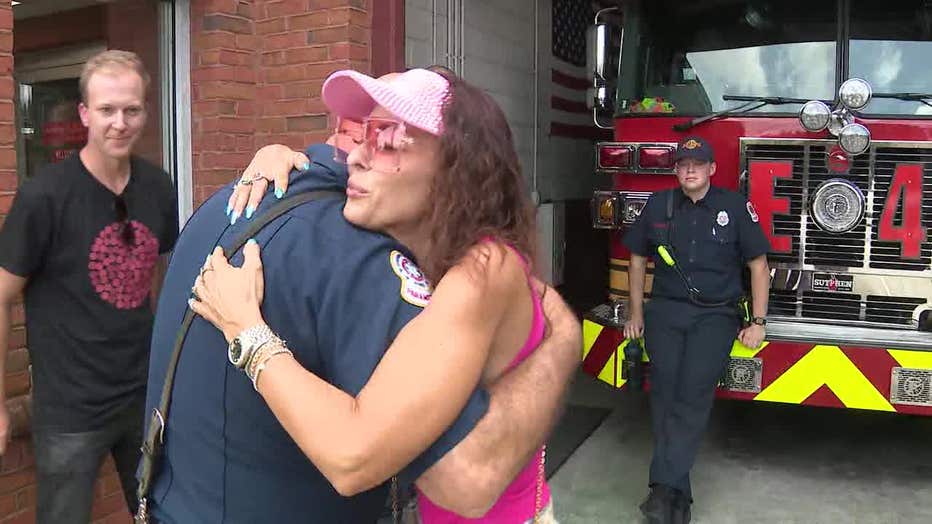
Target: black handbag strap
[[152, 444]]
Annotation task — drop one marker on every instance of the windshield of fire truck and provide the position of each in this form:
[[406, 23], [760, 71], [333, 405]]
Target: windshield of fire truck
[[681, 57], [891, 43]]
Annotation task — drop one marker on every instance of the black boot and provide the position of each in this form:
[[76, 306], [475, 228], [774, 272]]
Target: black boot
[[680, 507], [659, 505]]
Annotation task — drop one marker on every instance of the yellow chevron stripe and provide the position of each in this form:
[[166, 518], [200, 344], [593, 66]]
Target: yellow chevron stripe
[[912, 359], [740, 350], [591, 332], [825, 365]]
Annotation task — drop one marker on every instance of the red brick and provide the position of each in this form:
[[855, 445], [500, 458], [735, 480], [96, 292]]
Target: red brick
[[246, 10], [227, 90], [246, 108], [307, 123], [349, 15], [17, 360], [7, 503], [229, 124], [309, 21], [6, 88], [12, 482], [303, 89], [273, 58], [26, 498], [280, 74], [347, 51], [214, 40], [272, 25], [6, 17], [360, 35], [231, 73], [108, 484], [269, 92], [285, 7], [19, 313], [248, 42], [270, 125], [323, 70], [23, 517], [214, 107], [211, 57], [236, 58], [323, 4], [8, 158], [284, 40], [7, 183], [222, 22], [285, 108], [304, 55], [15, 384], [220, 6], [227, 161], [328, 35], [17, 339], [6, 43]]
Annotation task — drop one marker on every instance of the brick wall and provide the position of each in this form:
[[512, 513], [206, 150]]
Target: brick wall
[[257, 67], [257, 70]]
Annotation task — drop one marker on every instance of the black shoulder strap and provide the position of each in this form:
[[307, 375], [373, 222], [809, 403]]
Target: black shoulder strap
[[670, 194], [152, 445]]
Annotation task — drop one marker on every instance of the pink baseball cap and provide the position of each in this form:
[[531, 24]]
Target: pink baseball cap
[[416, 96]]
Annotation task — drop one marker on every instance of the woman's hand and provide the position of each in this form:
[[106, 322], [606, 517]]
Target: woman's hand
[[272, 164], [229, 297]]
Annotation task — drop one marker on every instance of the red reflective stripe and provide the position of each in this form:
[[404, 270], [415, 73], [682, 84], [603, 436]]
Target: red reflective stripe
[[602, 349], [823, 397]]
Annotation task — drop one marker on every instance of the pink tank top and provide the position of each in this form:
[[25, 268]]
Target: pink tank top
[[517, 503]]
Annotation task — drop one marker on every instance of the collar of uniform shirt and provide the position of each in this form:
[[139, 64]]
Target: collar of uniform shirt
[[707, 201]]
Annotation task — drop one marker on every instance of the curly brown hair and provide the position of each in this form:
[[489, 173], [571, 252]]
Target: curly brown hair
[[479, 192]]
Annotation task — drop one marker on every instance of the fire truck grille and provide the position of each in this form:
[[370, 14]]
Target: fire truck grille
[[858, 251], [911, 387]]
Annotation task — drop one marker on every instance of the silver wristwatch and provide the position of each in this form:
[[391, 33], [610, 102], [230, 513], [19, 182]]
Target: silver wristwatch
[[246, 343]]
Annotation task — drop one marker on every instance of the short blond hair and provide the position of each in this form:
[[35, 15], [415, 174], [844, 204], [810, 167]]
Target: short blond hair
[[113, 59]]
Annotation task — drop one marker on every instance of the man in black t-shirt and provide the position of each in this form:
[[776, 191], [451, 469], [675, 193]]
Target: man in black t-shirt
[[82, 242]]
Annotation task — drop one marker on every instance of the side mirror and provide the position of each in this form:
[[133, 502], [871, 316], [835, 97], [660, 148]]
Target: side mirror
[[599, 67]]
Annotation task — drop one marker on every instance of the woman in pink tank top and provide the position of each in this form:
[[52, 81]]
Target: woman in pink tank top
[[434, 167], [528, 496]]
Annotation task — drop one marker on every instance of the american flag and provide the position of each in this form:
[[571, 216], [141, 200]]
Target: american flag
[[569, 116]]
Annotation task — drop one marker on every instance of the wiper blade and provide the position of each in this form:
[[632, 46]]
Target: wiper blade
[[750, 103], [908, 97]]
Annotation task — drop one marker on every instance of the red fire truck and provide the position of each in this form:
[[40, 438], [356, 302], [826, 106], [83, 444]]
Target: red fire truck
[[821, 113]]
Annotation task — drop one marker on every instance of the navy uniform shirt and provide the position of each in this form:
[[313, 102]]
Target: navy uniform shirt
[[712, 240], [331, 292]]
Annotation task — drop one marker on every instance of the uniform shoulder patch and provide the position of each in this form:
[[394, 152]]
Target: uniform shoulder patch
[[752, 212], [415, 289]]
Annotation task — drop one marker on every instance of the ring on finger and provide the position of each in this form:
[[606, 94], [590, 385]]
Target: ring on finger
[[246, 181]]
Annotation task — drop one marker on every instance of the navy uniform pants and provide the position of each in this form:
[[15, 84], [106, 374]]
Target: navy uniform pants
[[688, 347]]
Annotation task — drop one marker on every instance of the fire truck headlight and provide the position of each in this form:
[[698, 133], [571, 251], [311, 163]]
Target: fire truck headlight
[[854, 139], [814, 116], [854, 93]]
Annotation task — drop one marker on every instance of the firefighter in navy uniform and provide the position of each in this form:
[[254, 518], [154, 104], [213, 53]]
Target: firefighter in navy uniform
[[700, 237]]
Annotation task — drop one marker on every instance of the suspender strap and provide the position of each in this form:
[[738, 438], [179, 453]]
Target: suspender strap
[[154, 438]]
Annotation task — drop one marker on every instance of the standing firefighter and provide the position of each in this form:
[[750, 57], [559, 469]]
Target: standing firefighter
[[702, 235]]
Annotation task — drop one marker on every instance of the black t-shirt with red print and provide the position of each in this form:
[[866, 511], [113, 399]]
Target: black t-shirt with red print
[[88, 317]]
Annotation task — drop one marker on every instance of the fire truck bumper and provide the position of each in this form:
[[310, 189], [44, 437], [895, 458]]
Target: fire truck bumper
[[791, 368]]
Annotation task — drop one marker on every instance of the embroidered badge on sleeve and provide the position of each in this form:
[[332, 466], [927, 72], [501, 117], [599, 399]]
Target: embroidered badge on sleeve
[[752, 212], [415, 289]]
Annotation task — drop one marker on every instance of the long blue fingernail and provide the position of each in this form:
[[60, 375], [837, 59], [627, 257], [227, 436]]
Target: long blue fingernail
[[279, 193], [233, 218], [229, 209], [306, 166], [252, 241], [249, 211]]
